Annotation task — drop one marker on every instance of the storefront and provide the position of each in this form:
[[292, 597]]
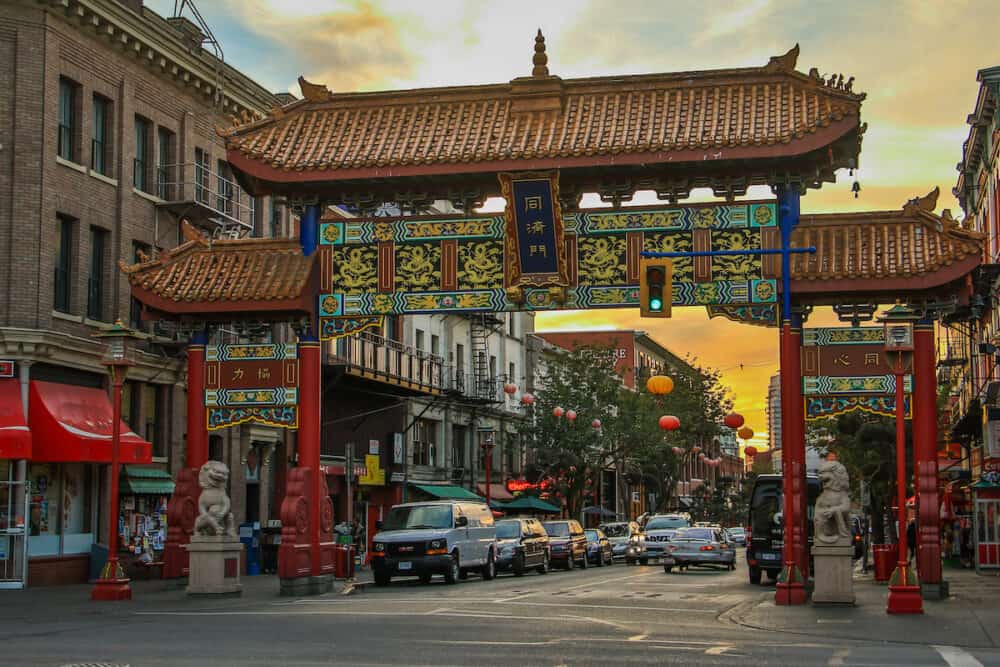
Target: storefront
[[145, 492]]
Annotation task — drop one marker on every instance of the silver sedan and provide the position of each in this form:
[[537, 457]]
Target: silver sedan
[[700, 546]]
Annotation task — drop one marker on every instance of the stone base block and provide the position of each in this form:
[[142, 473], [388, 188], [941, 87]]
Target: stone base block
[[833, 575], [302, 586], [215, 566]]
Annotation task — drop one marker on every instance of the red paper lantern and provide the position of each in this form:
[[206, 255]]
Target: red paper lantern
[[596, 424], [510, 388], [734, 420], [572, 468], [746, 433], [750, 451], [669, 423], [558, 412], [696, 449], [527, 399], [571, 415], [701, 456], [677, 451]]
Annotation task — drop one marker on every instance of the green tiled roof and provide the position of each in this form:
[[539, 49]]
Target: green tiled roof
[[147, 480]]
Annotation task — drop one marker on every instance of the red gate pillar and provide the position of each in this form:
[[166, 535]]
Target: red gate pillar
[[306, 554], [925, 462], [182, 509], [795, 550]]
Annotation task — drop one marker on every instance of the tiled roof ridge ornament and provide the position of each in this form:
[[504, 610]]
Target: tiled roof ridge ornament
[[540, 60], [190, 233], [314, 92], [927, 203], [784, 63]]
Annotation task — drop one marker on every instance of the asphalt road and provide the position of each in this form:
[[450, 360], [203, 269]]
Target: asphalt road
[[600, 616]]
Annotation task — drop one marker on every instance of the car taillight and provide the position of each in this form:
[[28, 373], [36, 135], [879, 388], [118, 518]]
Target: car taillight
[[708, 547]]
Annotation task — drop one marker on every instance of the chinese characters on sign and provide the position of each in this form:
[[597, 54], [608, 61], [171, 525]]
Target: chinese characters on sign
[[535, 250], [256, 382]]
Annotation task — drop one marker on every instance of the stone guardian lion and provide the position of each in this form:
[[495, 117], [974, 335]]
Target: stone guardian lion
[[213, 505], [833, 507]]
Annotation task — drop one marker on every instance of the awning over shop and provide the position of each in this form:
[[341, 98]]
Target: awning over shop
[[446, 491], [15, 437], [148, 481], [70, 424], [531, 504], [497, 492]]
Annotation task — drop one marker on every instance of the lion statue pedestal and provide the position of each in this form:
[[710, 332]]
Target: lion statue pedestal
[[832, 548], [215, 548]]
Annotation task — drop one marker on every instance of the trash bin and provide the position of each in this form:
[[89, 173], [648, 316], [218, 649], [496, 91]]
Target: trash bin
[[343, 562], [885, 556], [250, 537]]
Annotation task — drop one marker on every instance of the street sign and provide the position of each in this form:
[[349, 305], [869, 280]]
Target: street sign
[[397, 449], [257, 382]]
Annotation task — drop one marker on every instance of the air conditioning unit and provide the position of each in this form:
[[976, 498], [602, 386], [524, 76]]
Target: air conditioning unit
[[457, 474]]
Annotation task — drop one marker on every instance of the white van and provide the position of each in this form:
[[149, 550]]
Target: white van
[[450, 538]]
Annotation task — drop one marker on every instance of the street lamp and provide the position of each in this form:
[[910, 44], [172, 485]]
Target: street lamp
[[113, 585], [487, 445], [904, 588]]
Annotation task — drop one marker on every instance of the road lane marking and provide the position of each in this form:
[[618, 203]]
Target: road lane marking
[[838, 657], [593, 584], [956, 657]]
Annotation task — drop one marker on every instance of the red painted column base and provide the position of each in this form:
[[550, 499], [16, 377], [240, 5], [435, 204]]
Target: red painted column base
[[113, 586], [295, 555], [904, 592], [790, 589], [182, 510]]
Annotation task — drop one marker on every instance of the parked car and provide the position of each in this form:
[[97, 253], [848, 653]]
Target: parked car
[[598, 547], [440, 537], [858, 536], [522, 544], [766, 530], [700, 546], [737, 536], [567, 543], [659, 531], [627, 541]]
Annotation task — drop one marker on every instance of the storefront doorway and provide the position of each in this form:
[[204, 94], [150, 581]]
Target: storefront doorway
[[13, 534], [987, 532]]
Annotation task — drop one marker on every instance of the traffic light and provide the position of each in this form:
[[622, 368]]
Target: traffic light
[[655, 291]]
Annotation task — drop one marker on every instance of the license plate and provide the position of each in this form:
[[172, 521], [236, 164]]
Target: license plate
[[406, 566], [770, 557]]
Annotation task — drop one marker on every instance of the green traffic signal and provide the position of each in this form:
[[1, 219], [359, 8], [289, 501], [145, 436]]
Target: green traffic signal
[[656, 303]]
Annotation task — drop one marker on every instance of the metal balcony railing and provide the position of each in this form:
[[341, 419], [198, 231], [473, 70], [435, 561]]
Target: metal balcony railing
[[221, 198], [373, 356]]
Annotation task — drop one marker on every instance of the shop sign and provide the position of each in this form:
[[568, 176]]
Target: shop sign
[[257, 382], [374, 473], [373, 447], [397, 477], [522, 485], [6, 368], [991, 432], [397, 448]]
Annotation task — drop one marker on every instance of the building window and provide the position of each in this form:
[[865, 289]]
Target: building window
[[64, 254], [224, 189], [435, 345], [424, 442], [139, 250], [275, 219], [255, 223], [164, 162], [419, 342], [493, 368], [459, 440], [151, 415], [512, 324], [95, 283], [100, 143], [511, 373], [510, 455], [141, 162], [68, 119], [201, 175]]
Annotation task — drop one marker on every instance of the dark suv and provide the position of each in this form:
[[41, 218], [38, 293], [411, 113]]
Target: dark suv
[[567, 543], [765, 530], [522, 544]]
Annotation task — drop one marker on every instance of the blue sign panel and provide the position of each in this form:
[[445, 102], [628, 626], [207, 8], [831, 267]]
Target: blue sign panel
[[535, 247]]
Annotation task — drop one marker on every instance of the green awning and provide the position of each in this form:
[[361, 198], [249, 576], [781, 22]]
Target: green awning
[[532, 504], [446, 491], [147, 480]]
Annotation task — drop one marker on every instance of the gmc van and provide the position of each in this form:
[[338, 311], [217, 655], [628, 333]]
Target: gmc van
[[439, 537], [765, 530]]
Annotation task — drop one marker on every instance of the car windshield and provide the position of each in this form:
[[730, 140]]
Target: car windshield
[[508, 529], [557, 529], [696, 534], [591, 535], [417, 517], [615, 529], [666, 522], [736, 531]]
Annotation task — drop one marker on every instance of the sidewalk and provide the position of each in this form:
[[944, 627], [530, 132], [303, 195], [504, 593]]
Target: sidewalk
[[969, 618], [152, 595]]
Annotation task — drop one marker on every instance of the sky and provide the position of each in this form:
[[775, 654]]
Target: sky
[[917, 61]]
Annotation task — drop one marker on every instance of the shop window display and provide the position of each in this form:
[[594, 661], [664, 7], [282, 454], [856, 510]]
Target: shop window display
[[143, 523], [43, 520], [60, 514]]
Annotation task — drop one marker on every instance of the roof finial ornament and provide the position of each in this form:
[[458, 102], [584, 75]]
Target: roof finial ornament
[[540, 60], [785, 62], [926, 203]]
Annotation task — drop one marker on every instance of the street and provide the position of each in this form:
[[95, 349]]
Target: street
[[616, 615]]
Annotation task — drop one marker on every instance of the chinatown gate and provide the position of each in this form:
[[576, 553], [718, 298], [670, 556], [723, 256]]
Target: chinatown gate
[[541, 142]]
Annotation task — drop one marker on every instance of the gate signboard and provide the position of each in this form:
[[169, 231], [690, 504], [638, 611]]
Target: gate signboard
[[256, 382], [845, 369]]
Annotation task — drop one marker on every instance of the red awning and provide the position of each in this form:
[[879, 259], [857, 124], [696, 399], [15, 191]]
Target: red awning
[[15, 438], [497, 492], [71, 423]]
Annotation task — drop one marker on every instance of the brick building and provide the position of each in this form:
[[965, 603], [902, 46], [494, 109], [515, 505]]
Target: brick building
[[108, 114]]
